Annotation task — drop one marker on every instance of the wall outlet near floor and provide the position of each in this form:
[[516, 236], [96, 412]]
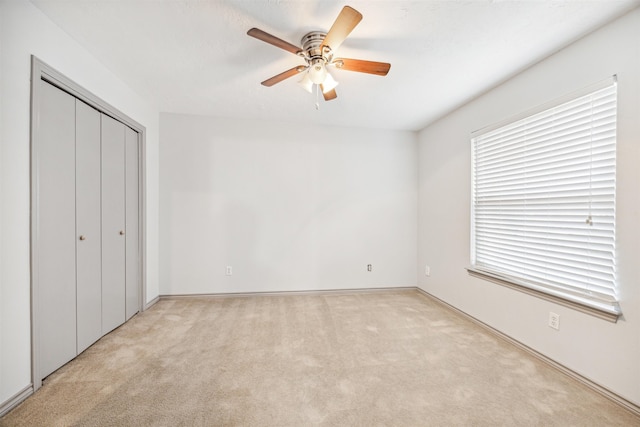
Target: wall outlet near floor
[[228, 271], [554, 320], [427, 270], [369, 267]]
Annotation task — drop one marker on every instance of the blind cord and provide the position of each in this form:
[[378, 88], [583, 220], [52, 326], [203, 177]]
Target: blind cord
[[589, 220]]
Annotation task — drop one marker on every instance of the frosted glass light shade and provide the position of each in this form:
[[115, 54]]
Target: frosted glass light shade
[[329, 83], [306, 83]]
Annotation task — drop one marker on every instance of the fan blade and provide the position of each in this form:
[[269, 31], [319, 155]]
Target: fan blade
[[344, 24], [370, 67], [273, 40], [329, 95], [284, 75]]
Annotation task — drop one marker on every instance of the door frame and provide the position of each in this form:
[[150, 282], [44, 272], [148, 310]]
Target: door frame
[[42, 71]]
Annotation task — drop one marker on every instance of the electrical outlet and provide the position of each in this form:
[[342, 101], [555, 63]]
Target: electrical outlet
[[427, 270], [229, 271], [554, 320]]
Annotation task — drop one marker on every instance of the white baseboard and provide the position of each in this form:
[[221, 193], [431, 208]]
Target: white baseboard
[[14, 401], [284, 293], [148, 305]]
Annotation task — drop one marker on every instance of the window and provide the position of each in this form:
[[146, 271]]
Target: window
[[543, 201]]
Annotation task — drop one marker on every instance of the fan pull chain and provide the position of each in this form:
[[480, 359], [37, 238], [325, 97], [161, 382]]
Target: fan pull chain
[[317, 97]]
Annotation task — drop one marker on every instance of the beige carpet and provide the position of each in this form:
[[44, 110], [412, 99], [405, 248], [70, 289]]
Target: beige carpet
[[382, 358]]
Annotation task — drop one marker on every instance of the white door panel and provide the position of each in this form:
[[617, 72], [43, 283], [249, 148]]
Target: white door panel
[[88, 213], [113, 224], [132, 200], [56, 228]]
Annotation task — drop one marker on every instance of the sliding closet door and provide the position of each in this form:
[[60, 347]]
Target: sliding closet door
[[56, 248], [132, 250], [88, 243], [113, 224]]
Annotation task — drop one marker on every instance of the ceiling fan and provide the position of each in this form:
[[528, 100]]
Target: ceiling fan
[[318, 50]]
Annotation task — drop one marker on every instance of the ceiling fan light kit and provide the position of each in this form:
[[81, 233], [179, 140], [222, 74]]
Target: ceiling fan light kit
[[306, 83], [318, 49]]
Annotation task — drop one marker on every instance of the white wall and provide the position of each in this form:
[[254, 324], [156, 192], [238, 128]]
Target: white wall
[[24, 30], [607, 353], [289, 207]]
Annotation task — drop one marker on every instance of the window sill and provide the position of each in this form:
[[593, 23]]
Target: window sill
[[610, 314]]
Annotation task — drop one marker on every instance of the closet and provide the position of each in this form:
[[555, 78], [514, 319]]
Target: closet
[[87, 216]]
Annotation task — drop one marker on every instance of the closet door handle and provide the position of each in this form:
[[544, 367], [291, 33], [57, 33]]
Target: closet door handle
[[122, 232], [82, 237]]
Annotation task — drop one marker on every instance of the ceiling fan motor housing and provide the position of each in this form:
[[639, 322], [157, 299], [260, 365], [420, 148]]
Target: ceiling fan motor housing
[[312, 48]]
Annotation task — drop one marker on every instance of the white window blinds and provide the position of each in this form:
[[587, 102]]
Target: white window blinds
[[543, 208]]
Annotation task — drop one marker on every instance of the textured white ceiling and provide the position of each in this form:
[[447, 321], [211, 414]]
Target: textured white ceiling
[[194, 56]]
